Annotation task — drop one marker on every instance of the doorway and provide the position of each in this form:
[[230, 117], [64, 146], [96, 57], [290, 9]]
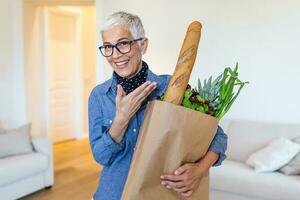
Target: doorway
[[60, 65]]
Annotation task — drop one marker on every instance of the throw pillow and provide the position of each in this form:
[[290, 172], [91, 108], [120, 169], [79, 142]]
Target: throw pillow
[[278, 153], [297, 140], [15, 141], [293, 167]]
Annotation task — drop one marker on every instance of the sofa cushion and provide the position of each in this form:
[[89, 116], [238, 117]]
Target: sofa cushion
[[246, 137], [239, 178], [14, 168], [293, 167], [276, 154], [15, 141]]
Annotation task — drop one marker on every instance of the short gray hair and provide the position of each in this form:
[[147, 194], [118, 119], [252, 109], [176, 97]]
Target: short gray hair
[[130, 22]]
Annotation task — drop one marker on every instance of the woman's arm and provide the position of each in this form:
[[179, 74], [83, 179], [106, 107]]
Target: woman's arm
[[107, 140], [219, 146], [104, 148]]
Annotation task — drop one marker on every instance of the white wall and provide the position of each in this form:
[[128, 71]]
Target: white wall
[[12, 95], [33, 70], [89, 50], [263, 36]]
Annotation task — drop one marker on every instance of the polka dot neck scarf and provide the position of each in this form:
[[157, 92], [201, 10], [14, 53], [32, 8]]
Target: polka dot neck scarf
[[131, 84]]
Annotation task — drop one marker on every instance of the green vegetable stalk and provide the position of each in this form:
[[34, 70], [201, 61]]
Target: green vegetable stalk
[[214, 97]]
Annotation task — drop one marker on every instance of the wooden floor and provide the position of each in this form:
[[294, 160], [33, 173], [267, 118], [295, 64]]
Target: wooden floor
[[76, 173]]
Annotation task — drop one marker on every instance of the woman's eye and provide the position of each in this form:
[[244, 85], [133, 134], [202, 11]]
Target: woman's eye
[[124, 43], [107, 46]]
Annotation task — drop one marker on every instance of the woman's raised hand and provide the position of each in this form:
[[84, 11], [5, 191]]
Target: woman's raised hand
[[127, 106]]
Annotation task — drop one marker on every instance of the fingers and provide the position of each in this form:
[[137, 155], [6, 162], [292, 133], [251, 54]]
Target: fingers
[[183, 181], [187, 194], [146, 92], [141, 93], [182, 169], [120, 93], [140, 88], [179, 187], [170, 177], [143, 89], [175, 185], [129, 104], [174, 182]]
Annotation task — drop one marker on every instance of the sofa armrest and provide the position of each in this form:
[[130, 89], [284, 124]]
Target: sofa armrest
[[44, 145]]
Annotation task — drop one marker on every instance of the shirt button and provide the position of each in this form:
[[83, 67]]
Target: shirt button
[[110, 121], [134, 130]]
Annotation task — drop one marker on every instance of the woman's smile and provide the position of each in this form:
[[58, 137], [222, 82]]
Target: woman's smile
[[122, 64]]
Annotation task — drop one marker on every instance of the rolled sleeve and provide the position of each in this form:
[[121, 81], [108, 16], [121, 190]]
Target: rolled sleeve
[[109, 143], [105, 149], [219, 145]]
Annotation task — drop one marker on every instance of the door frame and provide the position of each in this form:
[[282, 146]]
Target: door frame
[[78, 121]]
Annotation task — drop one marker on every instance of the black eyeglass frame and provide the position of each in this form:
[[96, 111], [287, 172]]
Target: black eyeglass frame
[[115, 46]]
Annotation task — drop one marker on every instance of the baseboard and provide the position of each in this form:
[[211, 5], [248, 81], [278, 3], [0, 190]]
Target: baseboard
[[84, 136]]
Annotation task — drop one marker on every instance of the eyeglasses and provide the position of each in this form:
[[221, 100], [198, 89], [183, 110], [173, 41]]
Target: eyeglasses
[[122, 46]]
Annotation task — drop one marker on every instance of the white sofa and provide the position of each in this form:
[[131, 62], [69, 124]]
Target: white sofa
[[23, 174], [235, 180]]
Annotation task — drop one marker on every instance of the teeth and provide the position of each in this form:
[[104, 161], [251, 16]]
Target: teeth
[[121, 63]]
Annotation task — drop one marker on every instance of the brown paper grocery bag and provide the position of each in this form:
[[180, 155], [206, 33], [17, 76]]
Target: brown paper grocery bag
[[170, 136]]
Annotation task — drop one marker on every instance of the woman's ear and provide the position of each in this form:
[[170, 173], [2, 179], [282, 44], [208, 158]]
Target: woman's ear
[[144, 45]]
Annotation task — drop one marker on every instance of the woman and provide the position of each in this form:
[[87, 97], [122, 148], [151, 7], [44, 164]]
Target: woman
[[117, 106]]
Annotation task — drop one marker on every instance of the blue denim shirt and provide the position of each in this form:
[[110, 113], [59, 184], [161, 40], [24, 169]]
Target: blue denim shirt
[[116, 157]]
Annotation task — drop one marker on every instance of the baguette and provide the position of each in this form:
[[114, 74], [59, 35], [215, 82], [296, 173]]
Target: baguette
[[187, 56]]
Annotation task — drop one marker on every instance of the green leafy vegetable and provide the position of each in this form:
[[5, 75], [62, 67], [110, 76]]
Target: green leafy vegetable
[[214, 97]]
